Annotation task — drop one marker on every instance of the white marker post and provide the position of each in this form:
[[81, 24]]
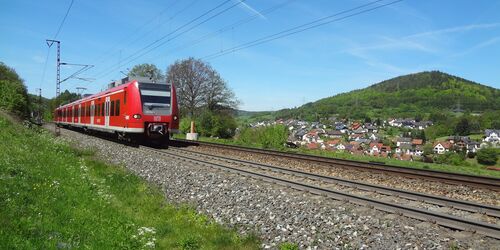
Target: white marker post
[[192, 136]]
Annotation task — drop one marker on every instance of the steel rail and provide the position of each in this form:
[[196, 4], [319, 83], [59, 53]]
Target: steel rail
[[448, 177], [442, 219], [416, 196]]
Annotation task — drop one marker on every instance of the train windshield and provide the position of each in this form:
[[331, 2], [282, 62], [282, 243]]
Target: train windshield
[[155, 98]]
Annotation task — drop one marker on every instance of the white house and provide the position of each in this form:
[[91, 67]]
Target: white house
[[441, 147], [492, 136]]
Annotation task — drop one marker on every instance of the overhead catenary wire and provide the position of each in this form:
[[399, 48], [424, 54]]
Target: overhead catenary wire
[[108, 71], [302, 28], [232, 26], [55, 37], [103, 57], [64, 19]]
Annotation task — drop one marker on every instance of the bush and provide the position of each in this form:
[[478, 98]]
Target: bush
[[487, 156], [471, 155], [450, 158], [185, 125], [265, 137], [218, 125], [13, 93]]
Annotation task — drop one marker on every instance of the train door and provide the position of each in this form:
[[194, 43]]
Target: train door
[[92, 109], [79, 113], [106, 111]]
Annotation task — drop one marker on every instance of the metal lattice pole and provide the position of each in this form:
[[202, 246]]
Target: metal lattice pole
[[58, 75]]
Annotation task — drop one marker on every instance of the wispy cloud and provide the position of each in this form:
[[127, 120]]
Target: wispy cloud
[[248, 8], [457, 29], [479, 46]]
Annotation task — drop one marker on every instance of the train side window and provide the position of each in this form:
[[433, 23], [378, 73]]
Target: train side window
[[112, 108], [117, 112], [102, 109]]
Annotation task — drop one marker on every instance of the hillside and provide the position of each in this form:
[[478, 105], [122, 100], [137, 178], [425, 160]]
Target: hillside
[[403, 96]]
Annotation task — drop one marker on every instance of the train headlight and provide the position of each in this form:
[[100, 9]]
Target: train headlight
[[137, 116], [175, 117]]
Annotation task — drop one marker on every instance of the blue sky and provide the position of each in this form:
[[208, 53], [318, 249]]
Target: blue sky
[[460, 37]]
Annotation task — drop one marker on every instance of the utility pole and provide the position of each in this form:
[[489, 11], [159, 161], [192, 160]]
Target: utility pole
[[58, 77], [39, 116]]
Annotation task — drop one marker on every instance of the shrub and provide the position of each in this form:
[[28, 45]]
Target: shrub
[[185, 125], [471, 155], [266, 137], [450, 158], [487, 156], [13, 93], [220, 125]]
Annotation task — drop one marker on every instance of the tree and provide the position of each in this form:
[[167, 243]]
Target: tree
[[487, 156], [462, 127], [200, 86], [146, 70], [13, 93]]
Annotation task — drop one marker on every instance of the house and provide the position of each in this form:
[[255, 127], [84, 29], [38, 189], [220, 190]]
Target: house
[[341, 147], [418, 150], [313, 145], [299, 134], [492, 136], [334, 133], [416, 142], [355, 125], [374, 137], [404, 149], [422, 125], [341, 127], [333, 143], [375, 148], [355, 137], [472, 147], [403, 140], [441, 147], [370, 128], [311, 137]]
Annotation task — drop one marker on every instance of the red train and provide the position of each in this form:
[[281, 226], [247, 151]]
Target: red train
[[134, 109]]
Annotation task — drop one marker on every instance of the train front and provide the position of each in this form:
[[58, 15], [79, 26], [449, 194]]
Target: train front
[[159, 110]]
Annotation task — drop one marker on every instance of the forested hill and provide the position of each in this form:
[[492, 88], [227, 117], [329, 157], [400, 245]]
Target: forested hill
[[403, 96]]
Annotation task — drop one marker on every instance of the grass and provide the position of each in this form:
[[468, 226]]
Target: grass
[[54, 196], [472, 167]]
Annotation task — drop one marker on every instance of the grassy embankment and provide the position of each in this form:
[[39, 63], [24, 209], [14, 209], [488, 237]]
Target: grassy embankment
[[54, 196], [472, 168]]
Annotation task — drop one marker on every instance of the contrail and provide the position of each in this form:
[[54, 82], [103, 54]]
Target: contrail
[[250, 9]]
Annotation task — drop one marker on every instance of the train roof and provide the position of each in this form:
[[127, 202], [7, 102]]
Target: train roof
[[125, 82]]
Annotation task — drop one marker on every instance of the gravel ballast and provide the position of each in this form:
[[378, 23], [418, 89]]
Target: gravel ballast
[[276, 213], [453, 191]]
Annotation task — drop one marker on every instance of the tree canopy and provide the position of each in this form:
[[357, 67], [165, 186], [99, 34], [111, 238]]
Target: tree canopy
[[404, 96], [146, 70], [13, 93], [200, 87]]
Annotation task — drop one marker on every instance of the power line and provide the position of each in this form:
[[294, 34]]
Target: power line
[[232, 26], [64, 19], [106, 72], [113, 50], [301, 28], [48, 49]]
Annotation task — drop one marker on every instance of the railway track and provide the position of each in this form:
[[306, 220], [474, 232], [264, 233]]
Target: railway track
[[446, 177], [455, 214]]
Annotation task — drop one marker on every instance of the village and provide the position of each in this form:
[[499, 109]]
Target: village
[[401, 139]]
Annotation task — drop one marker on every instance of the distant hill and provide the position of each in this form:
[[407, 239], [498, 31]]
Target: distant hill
[[403, 96]]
